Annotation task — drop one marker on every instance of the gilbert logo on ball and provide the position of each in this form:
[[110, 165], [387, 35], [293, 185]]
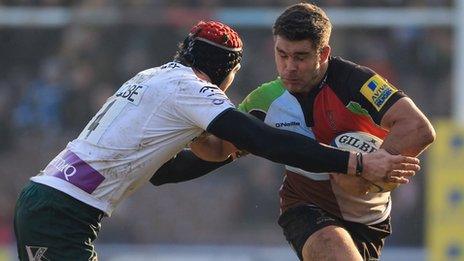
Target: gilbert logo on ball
[[357, 141]]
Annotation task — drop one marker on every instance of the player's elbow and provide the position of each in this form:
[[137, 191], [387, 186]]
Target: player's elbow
[[431, 135], [425, 132], [253, 144], [259, 143]]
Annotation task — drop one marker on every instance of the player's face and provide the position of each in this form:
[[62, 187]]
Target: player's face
[[230, 78], [298, 64]]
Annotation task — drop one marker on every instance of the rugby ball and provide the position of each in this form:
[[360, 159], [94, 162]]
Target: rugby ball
[[365, 143]]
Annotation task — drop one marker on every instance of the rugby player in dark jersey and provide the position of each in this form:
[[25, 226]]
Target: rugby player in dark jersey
[[321, 96]]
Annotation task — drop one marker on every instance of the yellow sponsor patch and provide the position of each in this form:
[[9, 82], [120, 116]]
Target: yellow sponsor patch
[[377, 91]]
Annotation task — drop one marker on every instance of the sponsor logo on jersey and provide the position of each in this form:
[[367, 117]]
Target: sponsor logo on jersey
[[66, 168], [377, 91], [69, 167], [372, 85], [287, 124], [218, 101], [212, 91], [205, 89]]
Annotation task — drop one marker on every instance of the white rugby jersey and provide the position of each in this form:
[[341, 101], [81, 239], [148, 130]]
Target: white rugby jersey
[[144, 124]]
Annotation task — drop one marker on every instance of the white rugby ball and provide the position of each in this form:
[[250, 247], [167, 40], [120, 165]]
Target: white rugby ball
[[363, 142]]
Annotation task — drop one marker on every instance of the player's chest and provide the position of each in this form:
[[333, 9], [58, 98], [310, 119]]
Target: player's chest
[[321, 116]]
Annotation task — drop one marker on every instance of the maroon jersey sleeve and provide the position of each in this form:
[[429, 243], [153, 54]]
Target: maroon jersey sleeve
[[361, 89]]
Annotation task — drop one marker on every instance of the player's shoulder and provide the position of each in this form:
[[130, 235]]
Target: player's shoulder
[[183, 79], [345, 71], [347, 78], [352, 81], [193, 86], [161, 74], [263, 96]]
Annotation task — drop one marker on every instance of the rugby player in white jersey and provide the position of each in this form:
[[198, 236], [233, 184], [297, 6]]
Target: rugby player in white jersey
[[151, 118]]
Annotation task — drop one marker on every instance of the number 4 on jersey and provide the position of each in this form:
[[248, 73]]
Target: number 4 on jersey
[[95, 123]]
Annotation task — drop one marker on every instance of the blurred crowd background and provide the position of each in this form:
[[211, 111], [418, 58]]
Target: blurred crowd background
[[54, 79]]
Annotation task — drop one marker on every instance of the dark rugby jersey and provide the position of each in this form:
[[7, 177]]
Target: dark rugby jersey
[[350, 98]]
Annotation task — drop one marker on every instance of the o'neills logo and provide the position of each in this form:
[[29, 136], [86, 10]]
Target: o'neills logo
[[66, 168], [357, 143], [287, 124]]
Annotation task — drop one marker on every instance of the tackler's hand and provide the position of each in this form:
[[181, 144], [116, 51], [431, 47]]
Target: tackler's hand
[[381, 166]]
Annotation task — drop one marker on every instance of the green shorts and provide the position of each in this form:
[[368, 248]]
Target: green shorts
[[51, 225]]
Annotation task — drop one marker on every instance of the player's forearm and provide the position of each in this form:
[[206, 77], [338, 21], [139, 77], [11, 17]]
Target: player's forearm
[[409, 139], [185, 166], [250, 134], [410, 131]]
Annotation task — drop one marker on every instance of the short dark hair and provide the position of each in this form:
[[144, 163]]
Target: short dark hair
[[304, 21], [214, 61]]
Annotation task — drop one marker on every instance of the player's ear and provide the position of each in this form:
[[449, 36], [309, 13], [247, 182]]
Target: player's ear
[[324, 54]]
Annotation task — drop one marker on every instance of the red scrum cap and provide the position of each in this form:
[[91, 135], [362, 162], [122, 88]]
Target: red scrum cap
[[217, 34]]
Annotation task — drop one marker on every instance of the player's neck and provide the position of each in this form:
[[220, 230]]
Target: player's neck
[[318, 80], [322, 74]]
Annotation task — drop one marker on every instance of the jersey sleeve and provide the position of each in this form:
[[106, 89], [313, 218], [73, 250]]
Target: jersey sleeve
[[200, 104], [257, 103], [369, 92]]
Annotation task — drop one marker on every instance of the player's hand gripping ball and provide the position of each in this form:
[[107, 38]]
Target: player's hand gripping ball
[[365, 143]]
